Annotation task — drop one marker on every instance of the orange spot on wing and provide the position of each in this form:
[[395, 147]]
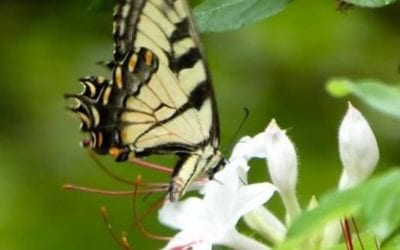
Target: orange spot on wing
[[114, 152], [149, 57], [132, 63]]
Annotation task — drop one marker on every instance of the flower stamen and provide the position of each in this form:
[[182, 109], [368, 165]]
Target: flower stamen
[[138, 220], [123, 241]]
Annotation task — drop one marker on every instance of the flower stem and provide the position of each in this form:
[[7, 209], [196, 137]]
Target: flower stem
[[291, 205], [266, 224]]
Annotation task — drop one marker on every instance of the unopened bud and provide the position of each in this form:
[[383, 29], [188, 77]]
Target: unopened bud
[[282, 166], [358, 149]]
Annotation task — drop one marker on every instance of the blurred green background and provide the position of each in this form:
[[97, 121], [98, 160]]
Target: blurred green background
[[276, 68]]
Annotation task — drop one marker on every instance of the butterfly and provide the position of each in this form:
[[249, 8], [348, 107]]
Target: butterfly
[[160, 99]]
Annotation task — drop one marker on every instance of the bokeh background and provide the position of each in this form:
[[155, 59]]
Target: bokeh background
[[276, 68]]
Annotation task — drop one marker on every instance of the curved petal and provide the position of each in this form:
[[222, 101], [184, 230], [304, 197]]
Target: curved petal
[[182, 214], [221, 194], [251, 197], [225, 181], [248, 147]]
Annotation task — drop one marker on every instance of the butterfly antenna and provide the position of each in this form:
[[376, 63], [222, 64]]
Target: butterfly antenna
[[138, 220], [245, 117], [353, 221], [123, 241]]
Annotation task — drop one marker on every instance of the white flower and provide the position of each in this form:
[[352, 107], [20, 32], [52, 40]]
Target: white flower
[[260, 219], [212, 220], [357, 147], [359, 154], [282, 166]]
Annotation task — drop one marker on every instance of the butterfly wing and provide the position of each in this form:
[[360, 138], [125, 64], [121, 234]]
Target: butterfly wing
[[174, 108], [160, 99]]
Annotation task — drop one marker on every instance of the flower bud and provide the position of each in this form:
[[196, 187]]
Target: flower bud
[[282, 165], [358, 149]]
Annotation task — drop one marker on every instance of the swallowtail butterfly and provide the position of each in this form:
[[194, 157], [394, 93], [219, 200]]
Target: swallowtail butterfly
[[159, 99]]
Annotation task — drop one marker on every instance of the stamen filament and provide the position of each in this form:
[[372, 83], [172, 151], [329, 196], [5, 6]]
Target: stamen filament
[[138, 221], [107, 171], [344, 224], [145, 164], [123, 242], [112, 192]]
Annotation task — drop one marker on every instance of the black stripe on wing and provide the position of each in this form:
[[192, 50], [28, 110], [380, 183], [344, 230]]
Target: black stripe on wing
[[196, 99], [187, 60], [126, 16], [181, 32]]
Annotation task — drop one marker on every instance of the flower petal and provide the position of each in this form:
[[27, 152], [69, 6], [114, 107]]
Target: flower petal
[[189, 240], [221, 194], [205, 245], [182, 214], [251, 197], [250, 147]]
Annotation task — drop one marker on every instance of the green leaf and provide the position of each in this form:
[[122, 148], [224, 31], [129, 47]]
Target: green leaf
[[375, 202], [370, 3], [224, 15], [382, 208], [392, 243], [382, 97], [332, 207], [339, 87], [220, 15]]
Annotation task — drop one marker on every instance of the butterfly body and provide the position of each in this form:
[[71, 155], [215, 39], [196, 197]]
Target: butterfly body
[[160, 99]]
